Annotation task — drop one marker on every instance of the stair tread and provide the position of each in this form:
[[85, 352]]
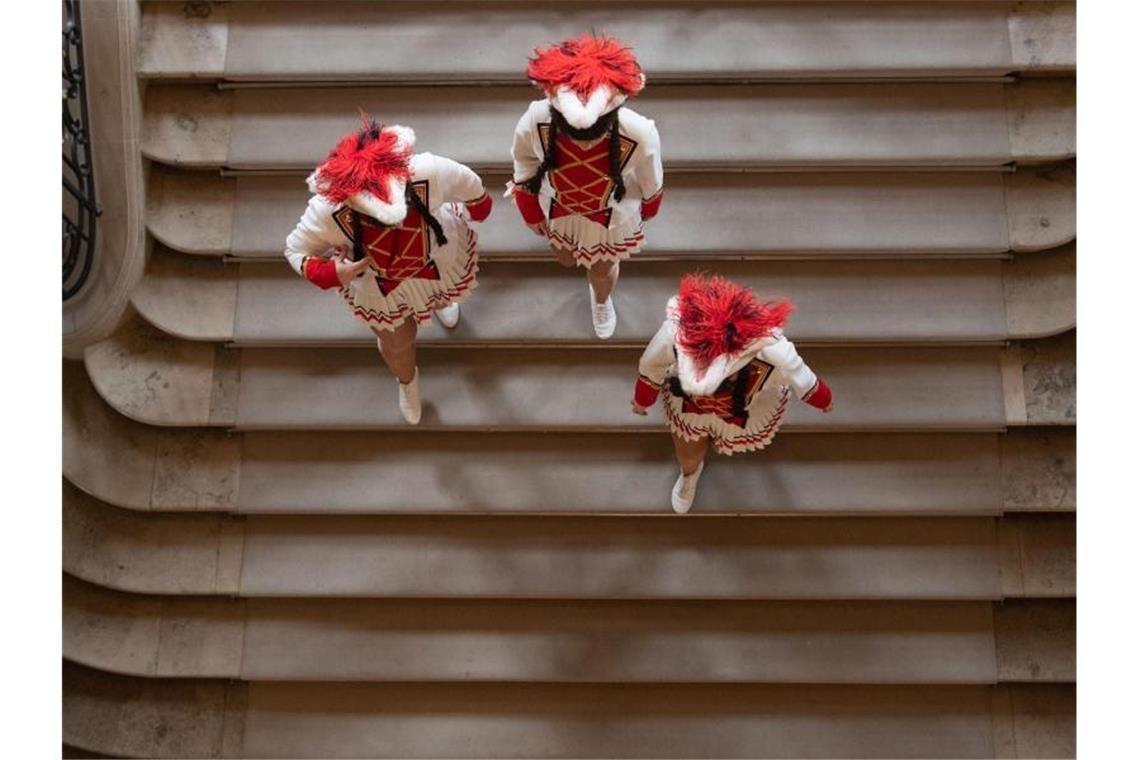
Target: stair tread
[[867, 301], [253, 41], [272, 639], [167, 382], [757, 126], [211, 718], [141, 467], [748, 215], [947, 558]]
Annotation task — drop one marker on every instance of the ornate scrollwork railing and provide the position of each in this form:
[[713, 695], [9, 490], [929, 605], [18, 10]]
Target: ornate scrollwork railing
[[80, 209]]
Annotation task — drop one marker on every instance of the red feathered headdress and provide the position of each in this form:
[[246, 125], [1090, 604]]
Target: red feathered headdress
[[717, 317], [368, 169], [586, 76]]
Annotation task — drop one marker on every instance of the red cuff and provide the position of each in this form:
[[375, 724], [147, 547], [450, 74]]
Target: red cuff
[[650, 206], [528, 206], [645, 392], [820, 395], [321, 272], [480, 208]]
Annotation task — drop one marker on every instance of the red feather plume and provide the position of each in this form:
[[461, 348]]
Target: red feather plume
[[585, 63], [364, 160], [718, 317]]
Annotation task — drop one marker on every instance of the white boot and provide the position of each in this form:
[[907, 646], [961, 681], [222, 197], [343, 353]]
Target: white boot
[[685, 490], [604, 314], [448, 315], [410, 399]]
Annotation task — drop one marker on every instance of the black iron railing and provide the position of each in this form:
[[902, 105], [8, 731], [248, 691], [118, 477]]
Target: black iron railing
[[80, 210]]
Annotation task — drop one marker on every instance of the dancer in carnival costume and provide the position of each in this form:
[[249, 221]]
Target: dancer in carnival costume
[[727, 372], [587, 171], [388, 228]]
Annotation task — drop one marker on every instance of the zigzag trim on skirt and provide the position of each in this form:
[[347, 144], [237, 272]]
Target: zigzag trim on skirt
[[723, 434], [601, 251], [391, 320]]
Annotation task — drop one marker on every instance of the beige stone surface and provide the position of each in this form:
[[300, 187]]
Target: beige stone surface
[[1036, 640], [1044, 720], [188, 40], [1038, 555], [118, 633], [187, 125], [196, 470], [341, 720], [1043, 35], [152, 378], [1039, 470], [1050, 368], [104, 453], [1041, 208], [1041, 293], [836, 301], [584, 558], [581, 473], [960, 124], [1042, 117], [492, 388], [188, 297], [766, 215], [129, 551], [191, 211], [201, 638], [722, 40], [130, 717]]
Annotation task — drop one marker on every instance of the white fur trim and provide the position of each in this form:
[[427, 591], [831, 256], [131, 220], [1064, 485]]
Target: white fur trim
[[385, 213], [584, 115], [405, 137]]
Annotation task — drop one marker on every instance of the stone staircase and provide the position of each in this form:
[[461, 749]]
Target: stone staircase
[[262, 560]]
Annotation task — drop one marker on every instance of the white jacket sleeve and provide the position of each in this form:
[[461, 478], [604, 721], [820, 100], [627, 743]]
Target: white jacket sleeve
[[649, 172], [314, 235], [783, 356], [526, 160], [658, 357], [458, 183]]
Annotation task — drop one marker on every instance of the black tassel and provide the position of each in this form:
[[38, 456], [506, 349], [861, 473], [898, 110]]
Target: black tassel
[[357, 237], [615, 159], [436, 228]]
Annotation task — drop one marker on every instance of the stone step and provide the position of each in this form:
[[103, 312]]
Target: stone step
[[887, 301], [564, 557], [708, 41], [161, 718], [139, 467], [543, 641], [706, 216], [800, 126], [158, 380]]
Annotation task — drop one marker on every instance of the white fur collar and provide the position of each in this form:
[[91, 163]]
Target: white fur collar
[[584, 115]]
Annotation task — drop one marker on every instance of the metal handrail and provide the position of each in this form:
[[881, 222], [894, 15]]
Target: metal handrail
[[80, 208]]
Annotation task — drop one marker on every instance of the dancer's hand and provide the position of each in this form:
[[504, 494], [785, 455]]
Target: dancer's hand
[[348, 270], [638, 408], [539, 228]]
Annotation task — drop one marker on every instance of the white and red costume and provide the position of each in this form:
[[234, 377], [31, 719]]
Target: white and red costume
[[587, 167], [725, 367], [408, 213]]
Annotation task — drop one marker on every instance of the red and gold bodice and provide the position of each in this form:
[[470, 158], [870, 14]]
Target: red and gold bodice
[[581, 178], [397, 252], [723, 401]]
